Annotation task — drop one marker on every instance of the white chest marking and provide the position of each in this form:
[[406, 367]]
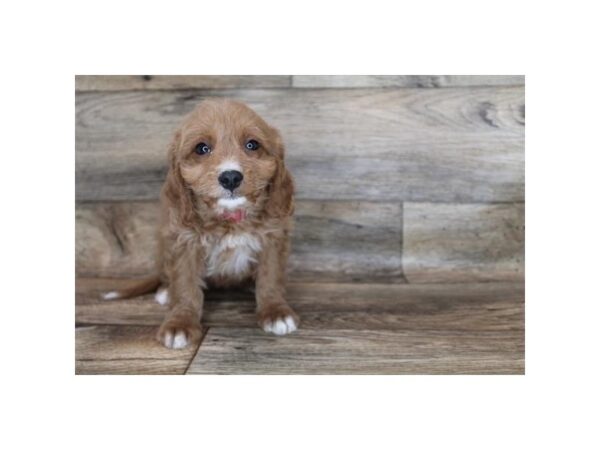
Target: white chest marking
[[232, 255]]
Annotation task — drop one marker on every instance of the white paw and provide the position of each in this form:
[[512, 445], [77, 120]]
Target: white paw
[[179, 340], [110, 295], [281, 326], [162, 296]]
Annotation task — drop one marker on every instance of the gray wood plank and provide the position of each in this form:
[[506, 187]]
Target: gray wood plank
[[472, 307], [250, 351], [126, 350], [331, 241], [177, 82], [463, 242], [347, 241], [423, 81], [442, 145]]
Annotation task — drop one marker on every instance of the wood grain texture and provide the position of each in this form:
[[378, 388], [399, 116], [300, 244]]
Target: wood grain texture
[[348, 241], [250, 351], [472, 307], [177, 82], [422, 81], [463, 242], [441, 145], [126, 350], [118, 239]]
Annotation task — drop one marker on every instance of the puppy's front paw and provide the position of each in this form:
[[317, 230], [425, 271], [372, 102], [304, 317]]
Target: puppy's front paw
[[278, 319], [178, 332]]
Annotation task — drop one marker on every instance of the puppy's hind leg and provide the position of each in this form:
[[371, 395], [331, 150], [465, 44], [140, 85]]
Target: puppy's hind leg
[[142, 287]]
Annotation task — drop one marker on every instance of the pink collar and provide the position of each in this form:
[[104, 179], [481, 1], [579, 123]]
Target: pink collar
[[235, 216]]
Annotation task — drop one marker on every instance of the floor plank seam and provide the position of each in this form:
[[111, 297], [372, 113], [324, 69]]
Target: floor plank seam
[[403, 277], [197, 350]]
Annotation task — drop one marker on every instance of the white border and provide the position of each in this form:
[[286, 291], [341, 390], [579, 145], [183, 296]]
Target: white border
[[553, 405]]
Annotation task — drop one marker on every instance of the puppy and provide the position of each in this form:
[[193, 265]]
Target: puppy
[[226, 217]]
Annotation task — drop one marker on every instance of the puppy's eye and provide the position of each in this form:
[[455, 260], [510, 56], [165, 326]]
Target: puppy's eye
[[202, 149], [252, 145]]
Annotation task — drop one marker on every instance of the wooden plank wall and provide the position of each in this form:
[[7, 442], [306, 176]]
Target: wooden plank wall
[[400, 178]]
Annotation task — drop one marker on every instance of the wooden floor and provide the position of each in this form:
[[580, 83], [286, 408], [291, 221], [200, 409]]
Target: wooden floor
[[347, 328]]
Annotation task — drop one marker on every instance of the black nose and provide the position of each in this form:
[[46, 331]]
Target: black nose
[[230, 179]]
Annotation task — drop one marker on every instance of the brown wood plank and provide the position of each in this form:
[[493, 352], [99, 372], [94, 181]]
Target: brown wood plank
[[442, 145], [463, 242], [177, 82], [347, 241], [126, 350], [118, 239], [250, 351], [423, 81], [473, 307]]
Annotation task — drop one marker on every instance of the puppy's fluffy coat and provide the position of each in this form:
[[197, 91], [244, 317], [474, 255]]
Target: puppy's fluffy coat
[[216, 230]]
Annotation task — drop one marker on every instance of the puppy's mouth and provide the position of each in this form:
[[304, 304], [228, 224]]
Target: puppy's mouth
[[232, 208]]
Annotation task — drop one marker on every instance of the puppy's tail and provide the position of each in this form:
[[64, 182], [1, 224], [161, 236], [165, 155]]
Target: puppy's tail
[[144, 286]]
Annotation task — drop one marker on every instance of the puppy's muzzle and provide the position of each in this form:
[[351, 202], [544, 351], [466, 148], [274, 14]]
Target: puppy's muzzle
[[230, 179]]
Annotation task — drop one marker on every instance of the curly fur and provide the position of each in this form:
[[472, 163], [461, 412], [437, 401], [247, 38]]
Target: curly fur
[[199, 245]]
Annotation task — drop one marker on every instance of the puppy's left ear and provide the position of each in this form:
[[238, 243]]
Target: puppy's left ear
[[281, 188], [175, 191]]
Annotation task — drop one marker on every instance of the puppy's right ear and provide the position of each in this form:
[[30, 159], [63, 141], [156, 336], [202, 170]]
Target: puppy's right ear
[[175, 192]]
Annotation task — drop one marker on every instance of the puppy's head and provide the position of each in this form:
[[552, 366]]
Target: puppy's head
[[228, 158]]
